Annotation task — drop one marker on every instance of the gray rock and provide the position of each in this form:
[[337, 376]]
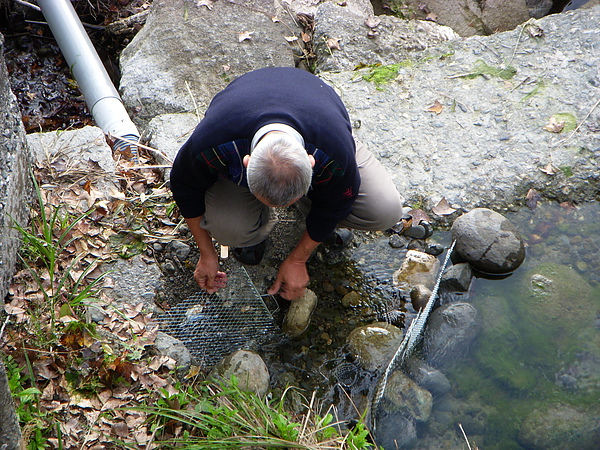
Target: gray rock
[[450, 330], [179, 249], [390, 41], [173, 348], [186, 53], [457, 278], [298, 316], [419, 296], [488, 241], [470, 17], [15, 184], [427, 377], [561, 426], [374, 345], [133, 281], [406, 396], [249, 369], [395, 431]]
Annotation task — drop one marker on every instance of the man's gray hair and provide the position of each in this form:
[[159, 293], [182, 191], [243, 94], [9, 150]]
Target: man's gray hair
[[279, 170]]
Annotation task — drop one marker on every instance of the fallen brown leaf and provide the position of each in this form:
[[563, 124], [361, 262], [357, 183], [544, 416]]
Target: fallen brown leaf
[[443, 208], [436, 107], [549, 169], [245, 35], [334, 44], [554, 126]]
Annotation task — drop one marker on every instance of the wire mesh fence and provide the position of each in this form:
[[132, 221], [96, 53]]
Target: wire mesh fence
[[212, 326]]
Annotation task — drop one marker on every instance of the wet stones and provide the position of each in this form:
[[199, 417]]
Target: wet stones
[[298, 316], [488, 241], [450, 330], [374, 345], [418, 268]]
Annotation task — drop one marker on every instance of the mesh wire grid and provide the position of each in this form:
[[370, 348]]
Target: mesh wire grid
[[212, 326]]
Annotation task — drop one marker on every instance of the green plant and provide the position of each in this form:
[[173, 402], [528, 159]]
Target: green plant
[[42, 251], [33, 420], [219, 415]]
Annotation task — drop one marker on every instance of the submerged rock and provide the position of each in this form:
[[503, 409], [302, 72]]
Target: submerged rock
[[561, 426], [395, 431], [488, 241], [374, 345], [427, 377], [450, 331], [404, 395], [418, 268]]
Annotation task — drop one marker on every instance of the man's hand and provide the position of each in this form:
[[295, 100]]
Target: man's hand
[[292, 279], [207, 273]]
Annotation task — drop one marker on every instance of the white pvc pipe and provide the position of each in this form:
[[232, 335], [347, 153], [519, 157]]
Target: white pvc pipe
[[101, 97]]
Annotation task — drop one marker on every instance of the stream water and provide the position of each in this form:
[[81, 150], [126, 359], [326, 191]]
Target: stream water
[[531, 379]]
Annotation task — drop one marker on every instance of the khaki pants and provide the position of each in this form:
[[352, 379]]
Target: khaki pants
[[234, 217]]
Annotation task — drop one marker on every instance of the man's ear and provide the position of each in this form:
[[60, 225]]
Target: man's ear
[[312, 160], [246, 160]]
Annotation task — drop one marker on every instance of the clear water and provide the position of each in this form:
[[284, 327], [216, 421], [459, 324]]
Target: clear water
[[539, 348]]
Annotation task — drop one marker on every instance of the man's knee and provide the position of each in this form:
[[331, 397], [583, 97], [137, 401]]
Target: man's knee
[[387, 212]]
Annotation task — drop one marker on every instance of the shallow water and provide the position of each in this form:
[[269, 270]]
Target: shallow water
[[530, 356]]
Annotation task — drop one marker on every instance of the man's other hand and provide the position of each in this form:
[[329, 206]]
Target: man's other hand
[[292, 279], [207, 273]]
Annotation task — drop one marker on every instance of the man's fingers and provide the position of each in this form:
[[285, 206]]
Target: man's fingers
[[275, 288]]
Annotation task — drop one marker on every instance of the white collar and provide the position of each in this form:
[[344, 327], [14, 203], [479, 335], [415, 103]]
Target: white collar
[[276, 127]]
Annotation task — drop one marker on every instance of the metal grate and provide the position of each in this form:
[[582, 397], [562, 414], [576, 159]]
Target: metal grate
[[212, 326]]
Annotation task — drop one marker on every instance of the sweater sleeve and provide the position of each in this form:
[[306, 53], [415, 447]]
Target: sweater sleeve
[[190, 179]]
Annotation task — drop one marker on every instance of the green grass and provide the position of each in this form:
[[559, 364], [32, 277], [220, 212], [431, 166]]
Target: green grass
[[219, 415]]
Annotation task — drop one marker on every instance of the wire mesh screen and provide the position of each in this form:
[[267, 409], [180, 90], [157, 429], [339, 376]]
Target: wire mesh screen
[[212, 326]]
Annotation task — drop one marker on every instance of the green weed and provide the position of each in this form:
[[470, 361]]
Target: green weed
[[219, 415]]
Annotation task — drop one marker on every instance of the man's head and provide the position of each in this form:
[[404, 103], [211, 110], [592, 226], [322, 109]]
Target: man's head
[[279, 169]]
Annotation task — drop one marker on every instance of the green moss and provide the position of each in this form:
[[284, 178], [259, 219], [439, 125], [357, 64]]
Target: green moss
[[482, 68], [567, 170], [381, 74]]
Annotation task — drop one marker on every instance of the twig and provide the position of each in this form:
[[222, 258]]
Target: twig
[[187, 85], [578, 126], [3, 327], [453, 99], [464, 435], [31, 5]]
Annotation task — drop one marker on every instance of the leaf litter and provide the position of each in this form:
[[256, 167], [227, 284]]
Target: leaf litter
[[92, 376]]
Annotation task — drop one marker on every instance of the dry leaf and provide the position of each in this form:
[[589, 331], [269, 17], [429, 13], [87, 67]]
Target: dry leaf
[[436, 107], [532, 198], [305, 37], [291, 39], [443, 208], [372, 21], [333, 43], [207, 3], [555, 126], [432, 17], [245, 35], [549, 169], [534, 30]]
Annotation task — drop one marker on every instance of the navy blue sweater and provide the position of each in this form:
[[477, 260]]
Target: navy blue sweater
[[272, 95]]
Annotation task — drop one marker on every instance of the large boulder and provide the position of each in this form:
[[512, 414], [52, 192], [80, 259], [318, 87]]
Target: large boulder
[[344, 39], [189, 51], [14, 176], [488, 241], [374, 345]]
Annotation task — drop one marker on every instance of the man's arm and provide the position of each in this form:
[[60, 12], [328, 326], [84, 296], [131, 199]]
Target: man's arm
[[292, 277], [207, 273]]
